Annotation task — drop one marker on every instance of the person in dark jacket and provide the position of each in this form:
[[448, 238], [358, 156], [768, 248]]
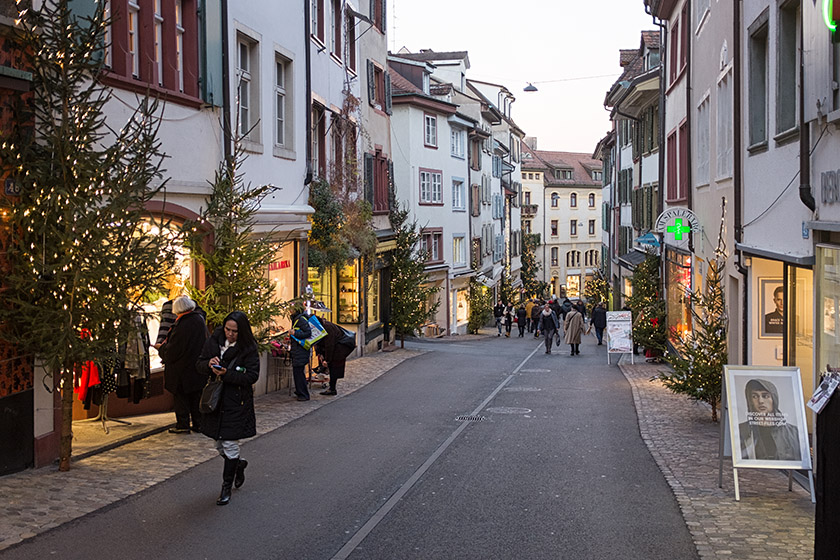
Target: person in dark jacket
[[548, 325], [180, 350], [521, 320], [535, 318], [508, 316], [301, 330], [498, 315], [599, 321], [334, 352], [232, 353]]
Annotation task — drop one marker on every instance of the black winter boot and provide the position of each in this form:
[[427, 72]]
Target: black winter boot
[[239, 480], [227, 481]]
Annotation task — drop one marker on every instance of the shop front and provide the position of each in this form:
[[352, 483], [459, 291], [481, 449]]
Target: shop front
[[339, 289], [459, 308], [678, 294]]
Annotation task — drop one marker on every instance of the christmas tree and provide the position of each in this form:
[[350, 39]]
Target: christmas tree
[[481, 305], [236, 260], [596, 290], [83, 255], [531, 266], [698, 366], [411, 295], [648, 306]]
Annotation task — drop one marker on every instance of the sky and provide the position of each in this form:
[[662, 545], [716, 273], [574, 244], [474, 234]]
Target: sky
[[521, 41]]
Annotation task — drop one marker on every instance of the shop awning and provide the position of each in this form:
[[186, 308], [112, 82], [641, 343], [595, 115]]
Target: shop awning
[[632, 259], [774, 256], [489, 282]]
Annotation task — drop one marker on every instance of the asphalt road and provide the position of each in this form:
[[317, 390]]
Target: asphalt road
[[551, 466]]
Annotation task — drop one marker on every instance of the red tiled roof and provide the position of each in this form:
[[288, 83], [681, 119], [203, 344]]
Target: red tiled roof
[[650, 39], [627, 55], [399, 84], [581, 165]]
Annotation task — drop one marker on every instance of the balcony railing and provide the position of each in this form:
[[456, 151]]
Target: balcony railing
[[529, 210]]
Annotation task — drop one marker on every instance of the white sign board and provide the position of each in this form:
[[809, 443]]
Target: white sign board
[[619, 332]]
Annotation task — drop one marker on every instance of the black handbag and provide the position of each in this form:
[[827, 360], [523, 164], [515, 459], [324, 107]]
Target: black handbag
[[349, 339], [211, 396]]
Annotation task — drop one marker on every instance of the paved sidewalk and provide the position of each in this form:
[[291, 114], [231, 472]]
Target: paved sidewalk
[[768, 523], [34, 501]]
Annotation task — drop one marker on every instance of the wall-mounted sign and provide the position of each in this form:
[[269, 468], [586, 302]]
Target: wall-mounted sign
[[11, 188], [831, 14], [677, 222], [280, 265]]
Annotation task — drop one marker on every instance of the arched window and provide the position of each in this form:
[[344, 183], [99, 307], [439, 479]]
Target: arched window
[[555, 200], [592, 200], [573, 200]]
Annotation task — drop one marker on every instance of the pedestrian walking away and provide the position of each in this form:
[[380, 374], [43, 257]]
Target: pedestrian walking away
[[535, 319], [179, 351], [508, 319], [548, 325], [521, 318], [498, 313], [231, 353], [529, 307], [335, 347], [573, 325], [599, 321], [301, 330]]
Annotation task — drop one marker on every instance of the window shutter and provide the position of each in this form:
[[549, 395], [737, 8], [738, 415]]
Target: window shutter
[[384, 13], [373, 10], [391, 189], [388, 93], [369, 178], [371, 83]]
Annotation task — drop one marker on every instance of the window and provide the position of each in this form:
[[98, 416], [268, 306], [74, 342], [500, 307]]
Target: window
[[457, 143], [573, 258], [526, 226], [700, 7], [458, 196], [555, 200], [590, 258], [475, 155], [704, 124], [527, 195], [432, 245], [282, 122], [573, 200], [592, 200], [319, 141], [554, 228], [684, 36], [459, 257], [683, 162], [591, 227], [788, 74], [317, 15], [565, 174], [597, 175], [350, 48], [377, 173], [724, 138], [335, 37], [134, 37], [573, 227], [757, 84], [430, 131], [373, 315], [555, 259], [671, 165], [159, 41], [497, 166], [378, 13], [247, 96], [431, 186], [179, 42], [674, 53]]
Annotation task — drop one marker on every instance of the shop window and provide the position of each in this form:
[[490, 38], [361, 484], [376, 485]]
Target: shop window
[[462, 309], [373, 304], [678, 277], [281, 275], [573, 286], [323, 286], [348, 293]]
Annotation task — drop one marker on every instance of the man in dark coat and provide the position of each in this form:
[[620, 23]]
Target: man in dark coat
[[521, 319], [498, 314], [301, 330], [183, 344], [535, 318], [599, 321], [548, 325], [334, 352]]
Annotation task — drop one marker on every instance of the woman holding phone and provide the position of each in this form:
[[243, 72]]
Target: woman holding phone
[[231, 352]]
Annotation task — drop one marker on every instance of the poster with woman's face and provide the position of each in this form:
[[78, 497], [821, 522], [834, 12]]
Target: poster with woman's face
[[771, 307], [767, 417]]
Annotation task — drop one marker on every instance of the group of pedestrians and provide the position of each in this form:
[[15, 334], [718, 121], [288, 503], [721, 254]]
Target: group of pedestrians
[[193, 356], [548, 318]]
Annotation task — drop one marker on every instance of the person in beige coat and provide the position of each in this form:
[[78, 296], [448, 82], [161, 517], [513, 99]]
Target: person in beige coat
[[573, 325]]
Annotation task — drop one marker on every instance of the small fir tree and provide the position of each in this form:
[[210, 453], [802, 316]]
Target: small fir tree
[[595, 290], [327, 247], [531, 266], [702, 353], [237, 260], [83, 256], [648, 306], [411, 293], [481, 305]]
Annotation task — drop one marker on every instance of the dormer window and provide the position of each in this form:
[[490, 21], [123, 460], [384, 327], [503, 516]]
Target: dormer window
[[426, 83], [565, 174]]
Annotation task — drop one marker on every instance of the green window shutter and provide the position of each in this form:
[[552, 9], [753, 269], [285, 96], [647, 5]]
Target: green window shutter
[[369, 178], [371, 82], [388, 93]]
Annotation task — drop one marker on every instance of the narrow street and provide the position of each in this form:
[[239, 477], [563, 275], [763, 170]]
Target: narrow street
[[552, 466]]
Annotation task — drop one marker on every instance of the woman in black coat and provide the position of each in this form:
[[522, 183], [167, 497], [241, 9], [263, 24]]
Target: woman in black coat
[[521, 316], [232, 353], [179, 351], [301, 330]]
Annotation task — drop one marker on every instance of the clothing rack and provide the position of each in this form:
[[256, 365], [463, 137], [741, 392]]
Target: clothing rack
[[103, 416]]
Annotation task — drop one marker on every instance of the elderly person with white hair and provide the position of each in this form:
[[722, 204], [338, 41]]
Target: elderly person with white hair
[[180, 351]]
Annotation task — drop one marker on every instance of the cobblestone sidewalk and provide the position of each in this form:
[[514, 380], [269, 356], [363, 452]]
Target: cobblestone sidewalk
[[768, 523], [37, 500]]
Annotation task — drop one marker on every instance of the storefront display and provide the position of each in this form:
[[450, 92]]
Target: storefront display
[[281, 274], [678, 278], [373, 313], [348, 293], [828, 301], [573, 286], [322, 290], [462, 309]]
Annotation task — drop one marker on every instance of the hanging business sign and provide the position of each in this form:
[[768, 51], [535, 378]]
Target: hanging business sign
[[677, 223], [831, 14]]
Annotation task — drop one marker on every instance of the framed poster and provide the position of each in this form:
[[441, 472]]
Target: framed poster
[[766, 415], [771, 307]]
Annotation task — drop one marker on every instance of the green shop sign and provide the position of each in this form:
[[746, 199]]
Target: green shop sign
[[677, 223]]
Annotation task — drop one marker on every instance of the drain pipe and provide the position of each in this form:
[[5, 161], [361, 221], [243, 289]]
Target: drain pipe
[[737, 180], [805, 194], [228, 135], [307, 49]]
